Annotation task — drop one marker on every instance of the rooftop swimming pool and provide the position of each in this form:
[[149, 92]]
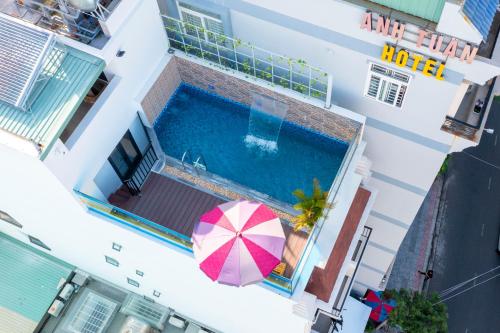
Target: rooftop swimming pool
[[214, 127]]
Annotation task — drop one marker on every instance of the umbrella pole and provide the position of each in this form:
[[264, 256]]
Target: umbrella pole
[[381, 325]]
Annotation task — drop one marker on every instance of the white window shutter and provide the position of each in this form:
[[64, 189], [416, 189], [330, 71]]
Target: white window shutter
[[373, 86]]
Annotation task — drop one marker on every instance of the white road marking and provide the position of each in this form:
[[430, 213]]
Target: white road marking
[[482, 230], [466, 330], [489, 183], [496, 139]]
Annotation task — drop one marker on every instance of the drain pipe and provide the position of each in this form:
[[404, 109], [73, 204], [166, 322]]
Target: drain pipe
[[328, 101]]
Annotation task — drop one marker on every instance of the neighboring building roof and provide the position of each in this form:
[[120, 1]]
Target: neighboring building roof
[[23, 48], [427, 9], [481, 14], [28, 283], [322, 280], [69, 75]]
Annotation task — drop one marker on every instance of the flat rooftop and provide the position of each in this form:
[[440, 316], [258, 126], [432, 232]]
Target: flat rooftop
[[29, 281], [110, 296]]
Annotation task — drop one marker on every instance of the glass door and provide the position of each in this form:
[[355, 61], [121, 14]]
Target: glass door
[[125, 157]]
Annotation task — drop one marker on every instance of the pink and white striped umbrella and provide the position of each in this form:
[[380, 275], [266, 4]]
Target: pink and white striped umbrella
[[238, 242]]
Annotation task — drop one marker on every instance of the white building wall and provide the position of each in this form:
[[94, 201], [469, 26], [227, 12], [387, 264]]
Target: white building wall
[[107, 180], [143, 39], [83, 240], [405, 145], [453, 22]]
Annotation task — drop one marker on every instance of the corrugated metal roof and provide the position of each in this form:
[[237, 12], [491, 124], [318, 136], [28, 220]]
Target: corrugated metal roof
[[22, 50], [481, 14], [28, 278], [70, 74], [427, 9]]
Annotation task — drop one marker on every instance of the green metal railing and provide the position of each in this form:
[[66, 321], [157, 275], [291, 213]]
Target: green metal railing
[[169, 236], [294, 74]]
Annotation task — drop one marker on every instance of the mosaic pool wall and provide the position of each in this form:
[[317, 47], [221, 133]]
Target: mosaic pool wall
[[179, 69], [155, 100]]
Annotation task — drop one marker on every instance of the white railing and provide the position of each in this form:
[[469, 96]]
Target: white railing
[[244, 57]]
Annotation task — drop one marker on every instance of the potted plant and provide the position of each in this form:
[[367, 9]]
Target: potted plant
[[311, 207]]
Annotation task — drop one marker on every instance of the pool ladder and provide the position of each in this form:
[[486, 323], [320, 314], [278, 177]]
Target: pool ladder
[[198, 164]]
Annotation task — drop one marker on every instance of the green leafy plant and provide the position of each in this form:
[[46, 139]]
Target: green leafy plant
[[417, 313], [284, 83], [444, 166], [246, 66], [311, 207]]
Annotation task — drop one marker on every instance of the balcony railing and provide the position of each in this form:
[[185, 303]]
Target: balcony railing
[[282, 284], [230, 53], [462, 124], [336, 313], [141, 171], [357, 256], [460, 128]]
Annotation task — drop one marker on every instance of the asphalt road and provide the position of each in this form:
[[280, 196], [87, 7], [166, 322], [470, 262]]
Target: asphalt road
[[469, 235]]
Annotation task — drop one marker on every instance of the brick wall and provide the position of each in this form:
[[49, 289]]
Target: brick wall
[[157, 97], [239, 90]]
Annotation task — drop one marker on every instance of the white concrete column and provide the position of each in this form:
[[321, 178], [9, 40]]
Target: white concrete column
[[328, 101], [457, 100]]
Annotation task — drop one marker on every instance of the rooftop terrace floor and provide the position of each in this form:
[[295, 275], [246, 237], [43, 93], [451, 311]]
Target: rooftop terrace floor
[[178, 206]]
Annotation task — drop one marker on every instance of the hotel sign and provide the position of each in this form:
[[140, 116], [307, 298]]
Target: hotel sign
[[414, 60]]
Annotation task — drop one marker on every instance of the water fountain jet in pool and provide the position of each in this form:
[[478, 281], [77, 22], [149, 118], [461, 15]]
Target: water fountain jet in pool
[[265, 120]]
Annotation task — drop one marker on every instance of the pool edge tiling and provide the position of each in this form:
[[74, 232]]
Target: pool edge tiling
[[193, 116]]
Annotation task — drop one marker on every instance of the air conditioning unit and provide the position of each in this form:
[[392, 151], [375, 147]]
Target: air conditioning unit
[[152, 313], [134, 325], [67, 291], [56, 308], [93, 315], [80, 278]]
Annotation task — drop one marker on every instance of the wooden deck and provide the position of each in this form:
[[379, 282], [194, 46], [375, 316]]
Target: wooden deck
[[178, 206]]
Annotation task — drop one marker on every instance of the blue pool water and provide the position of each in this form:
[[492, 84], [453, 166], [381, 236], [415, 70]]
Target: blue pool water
[[216, 127]]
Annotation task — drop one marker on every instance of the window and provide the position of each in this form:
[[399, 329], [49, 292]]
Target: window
[[9, 219], [117, 247], [386, 85], [208, 23], [156, 293], [133, 282], [38, 242], [138, 272], [112, 261]]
